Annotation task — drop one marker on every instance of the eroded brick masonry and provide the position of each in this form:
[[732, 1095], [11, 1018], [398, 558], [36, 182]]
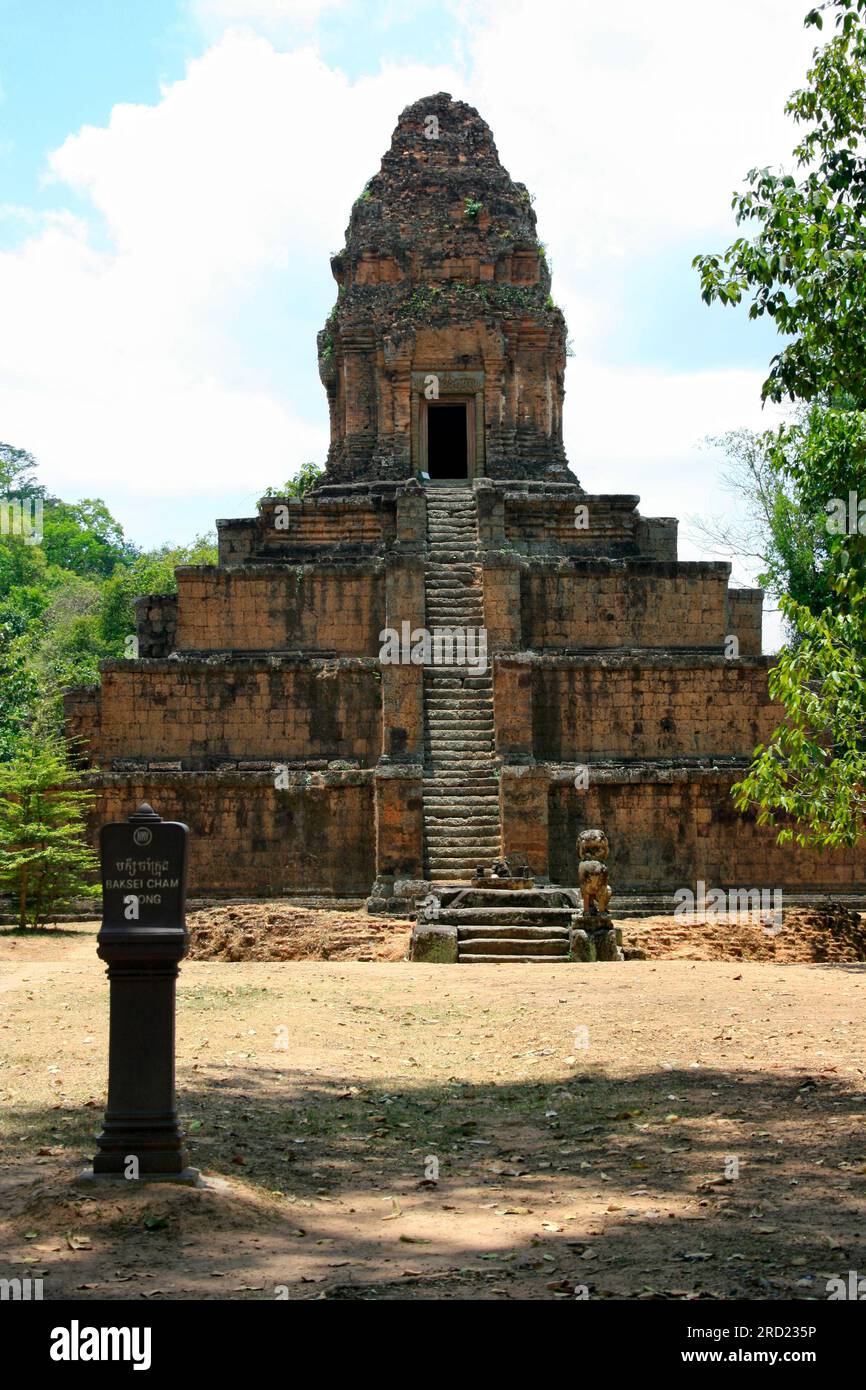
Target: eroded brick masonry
[[259, 709]]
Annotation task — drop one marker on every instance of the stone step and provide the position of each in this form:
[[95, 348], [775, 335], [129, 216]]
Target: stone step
[[442, 778], [455, 736], [500, 898], [465, 702], [480, 959], [462, 794], [461, 836], [471, 851], [437, 749], [454, 739], [465, 857], [446, 791], [442, 775], [468, 841], [443, 724], [465, 621], [443, 685], [445, 803], [456, 711], [503, 921], [512, 946]]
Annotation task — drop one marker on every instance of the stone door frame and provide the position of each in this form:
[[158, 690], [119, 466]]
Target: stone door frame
[[452, 388]]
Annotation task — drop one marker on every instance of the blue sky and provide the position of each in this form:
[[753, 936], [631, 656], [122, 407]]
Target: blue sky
[[174, 174]]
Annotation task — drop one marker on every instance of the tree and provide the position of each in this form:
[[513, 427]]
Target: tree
[[805, 266], [151, 572], [813, 770], [789, 480], [45, 861], [307, 476], [16, 473], [84, 537]]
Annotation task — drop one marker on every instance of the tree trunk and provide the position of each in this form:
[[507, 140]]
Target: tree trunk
[[22, 900]]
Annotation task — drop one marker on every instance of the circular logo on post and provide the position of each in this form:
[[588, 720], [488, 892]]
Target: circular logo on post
[[142, 836]]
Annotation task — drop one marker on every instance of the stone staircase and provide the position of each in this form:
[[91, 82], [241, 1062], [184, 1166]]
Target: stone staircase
[[503, 933], [497, 924], [460, 788]]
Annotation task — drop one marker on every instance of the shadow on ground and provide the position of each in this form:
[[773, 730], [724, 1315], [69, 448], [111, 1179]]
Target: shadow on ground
[[659, 1184]]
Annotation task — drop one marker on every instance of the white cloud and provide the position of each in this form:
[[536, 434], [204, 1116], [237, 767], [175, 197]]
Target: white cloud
[[121, 361], [634, 122], [117, 360], [277, 18]]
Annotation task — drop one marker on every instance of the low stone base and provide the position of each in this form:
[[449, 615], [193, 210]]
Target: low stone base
[[595, 938], [433, 943]]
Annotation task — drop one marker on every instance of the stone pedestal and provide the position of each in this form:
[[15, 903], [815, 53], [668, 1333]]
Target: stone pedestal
[[595, 938], [142, 939]]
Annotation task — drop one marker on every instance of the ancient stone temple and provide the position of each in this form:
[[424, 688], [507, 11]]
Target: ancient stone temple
[[449, 651]]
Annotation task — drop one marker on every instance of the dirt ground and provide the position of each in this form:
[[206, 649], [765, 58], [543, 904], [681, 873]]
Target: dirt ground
[[657, 1129]]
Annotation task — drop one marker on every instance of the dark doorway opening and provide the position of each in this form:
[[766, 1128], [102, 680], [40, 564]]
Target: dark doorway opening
[[447, 441]]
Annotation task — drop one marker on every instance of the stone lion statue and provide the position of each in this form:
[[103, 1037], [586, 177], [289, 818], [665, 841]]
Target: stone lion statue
[[593, 849]]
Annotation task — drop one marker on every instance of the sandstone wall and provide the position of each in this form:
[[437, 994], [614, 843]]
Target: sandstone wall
[[538, 523], [249, 839], [599, 604], [279, 608], [746, 607], [202, 712], [156, 624], [583, 708], [667, 829], [668, 834]]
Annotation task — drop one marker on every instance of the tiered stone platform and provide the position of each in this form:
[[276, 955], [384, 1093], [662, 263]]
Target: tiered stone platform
[[261, 710]]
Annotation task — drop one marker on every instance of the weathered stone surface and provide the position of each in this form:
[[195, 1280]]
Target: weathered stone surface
[[607, 697], [443, 273], [433, 943]]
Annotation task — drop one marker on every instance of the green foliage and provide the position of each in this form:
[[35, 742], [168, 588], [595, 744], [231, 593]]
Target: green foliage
[[151, 572], [809, 781], [472, 207], [805, 267], [67, 603], [16, 473], [45, 861], [307, 476], [805, 264], [83, 537], [786, 479]]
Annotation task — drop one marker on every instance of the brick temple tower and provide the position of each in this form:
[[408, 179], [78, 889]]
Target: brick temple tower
[[266, 707], [445, 353]]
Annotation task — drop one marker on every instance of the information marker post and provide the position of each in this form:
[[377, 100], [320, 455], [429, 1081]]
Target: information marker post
[[142, 939]]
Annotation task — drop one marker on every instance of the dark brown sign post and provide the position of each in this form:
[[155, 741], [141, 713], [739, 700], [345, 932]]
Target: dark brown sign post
[[142, 938]]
